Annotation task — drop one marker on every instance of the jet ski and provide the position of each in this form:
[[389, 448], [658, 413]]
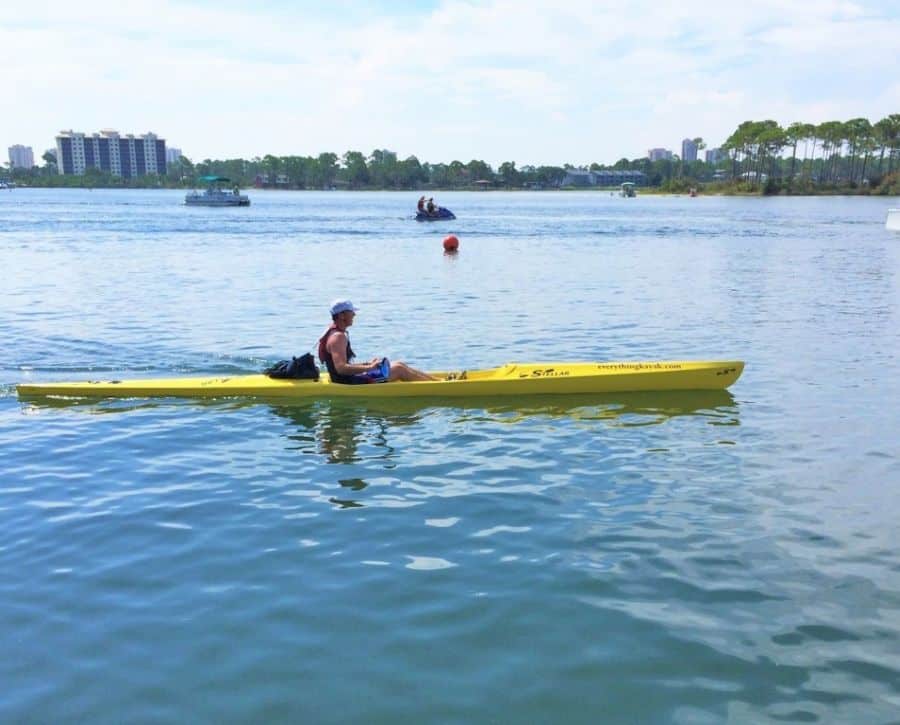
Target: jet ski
[[439, 213]]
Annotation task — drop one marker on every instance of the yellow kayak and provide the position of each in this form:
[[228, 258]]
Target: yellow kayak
[[513, 379]]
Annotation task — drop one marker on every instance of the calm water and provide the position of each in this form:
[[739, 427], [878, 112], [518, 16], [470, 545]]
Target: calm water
[[637, 558]]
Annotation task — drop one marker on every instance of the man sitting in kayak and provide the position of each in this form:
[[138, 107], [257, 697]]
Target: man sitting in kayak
[[336, 353]]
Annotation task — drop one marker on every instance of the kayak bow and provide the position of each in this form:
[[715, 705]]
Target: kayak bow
[[512, 379]]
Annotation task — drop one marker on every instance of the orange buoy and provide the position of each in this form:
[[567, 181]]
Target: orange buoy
[[451, 243]]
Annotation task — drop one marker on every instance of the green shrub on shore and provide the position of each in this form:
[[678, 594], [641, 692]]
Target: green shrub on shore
[[889, 186]]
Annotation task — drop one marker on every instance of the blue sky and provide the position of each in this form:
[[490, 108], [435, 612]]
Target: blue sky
[[500, 80]]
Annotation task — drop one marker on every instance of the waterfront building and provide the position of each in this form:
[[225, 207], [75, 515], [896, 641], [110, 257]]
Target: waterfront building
[[616, 177], [21, 157], [128, 156], [172, 155], [578, 177], [688, 150], [659, 154], [602, 177]]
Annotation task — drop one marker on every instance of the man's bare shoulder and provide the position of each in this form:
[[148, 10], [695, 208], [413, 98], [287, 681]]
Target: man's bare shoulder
[[337, 336]]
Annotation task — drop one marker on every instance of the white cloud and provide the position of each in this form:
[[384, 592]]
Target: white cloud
[[535, 82]]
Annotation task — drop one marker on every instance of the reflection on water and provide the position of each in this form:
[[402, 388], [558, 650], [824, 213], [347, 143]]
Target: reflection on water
[[640, 408], [648, 407], [383, 440], [622, 409], [339, 430], [340, 426], [354, 434], [354, 484]]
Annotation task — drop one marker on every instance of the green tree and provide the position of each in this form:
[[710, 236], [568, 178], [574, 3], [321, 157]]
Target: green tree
[[832, 135], [793, 135], [49, 167], [887, 135], [180, 171], [326, 169], [551, 176], [438, 174], [383, 168], [894, 121], [770, 140], [271, 167], [807, 132], [509, 174], [477, 170], [356, 173], [410, 173], [456, 173], [859, 137]]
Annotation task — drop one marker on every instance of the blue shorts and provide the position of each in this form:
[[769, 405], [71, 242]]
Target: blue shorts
[[373, 376]]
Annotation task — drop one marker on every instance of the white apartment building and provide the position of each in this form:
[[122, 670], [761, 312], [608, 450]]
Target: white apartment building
[[21, 157], [127, 155]]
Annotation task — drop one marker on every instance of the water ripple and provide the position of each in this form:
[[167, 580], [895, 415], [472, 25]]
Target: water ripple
[[687, 557]]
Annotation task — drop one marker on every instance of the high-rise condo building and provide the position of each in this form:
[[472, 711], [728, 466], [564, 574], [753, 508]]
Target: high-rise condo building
[[127, 156], [172, 155], [21, 157], [714, 156], [659, 154], [688, 150]]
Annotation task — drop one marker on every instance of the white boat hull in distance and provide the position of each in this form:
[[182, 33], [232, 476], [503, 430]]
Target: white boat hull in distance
[[218, 192], [893, 220], [222, 199]]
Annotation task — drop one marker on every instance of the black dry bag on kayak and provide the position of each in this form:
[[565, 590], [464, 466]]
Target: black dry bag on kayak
[[303, 367]]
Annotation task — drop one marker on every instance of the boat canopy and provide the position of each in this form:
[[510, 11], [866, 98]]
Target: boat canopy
[[214, 179]]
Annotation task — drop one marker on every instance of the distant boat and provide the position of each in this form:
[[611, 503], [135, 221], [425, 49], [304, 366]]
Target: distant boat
[[215, 195], [627, 189], [438, 214], [893, 220]]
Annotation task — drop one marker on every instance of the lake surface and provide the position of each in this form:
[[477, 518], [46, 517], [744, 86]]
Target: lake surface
[[647, 558]]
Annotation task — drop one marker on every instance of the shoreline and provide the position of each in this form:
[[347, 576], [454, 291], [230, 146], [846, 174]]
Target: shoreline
[[479, 190]]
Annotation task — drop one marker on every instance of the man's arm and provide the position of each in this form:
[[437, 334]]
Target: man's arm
[[337, 346]]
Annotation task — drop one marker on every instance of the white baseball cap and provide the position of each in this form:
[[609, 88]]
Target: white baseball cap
[[339, 306]]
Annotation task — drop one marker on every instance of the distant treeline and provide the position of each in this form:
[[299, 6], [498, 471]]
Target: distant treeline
[[759, 157], [805, 156]]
